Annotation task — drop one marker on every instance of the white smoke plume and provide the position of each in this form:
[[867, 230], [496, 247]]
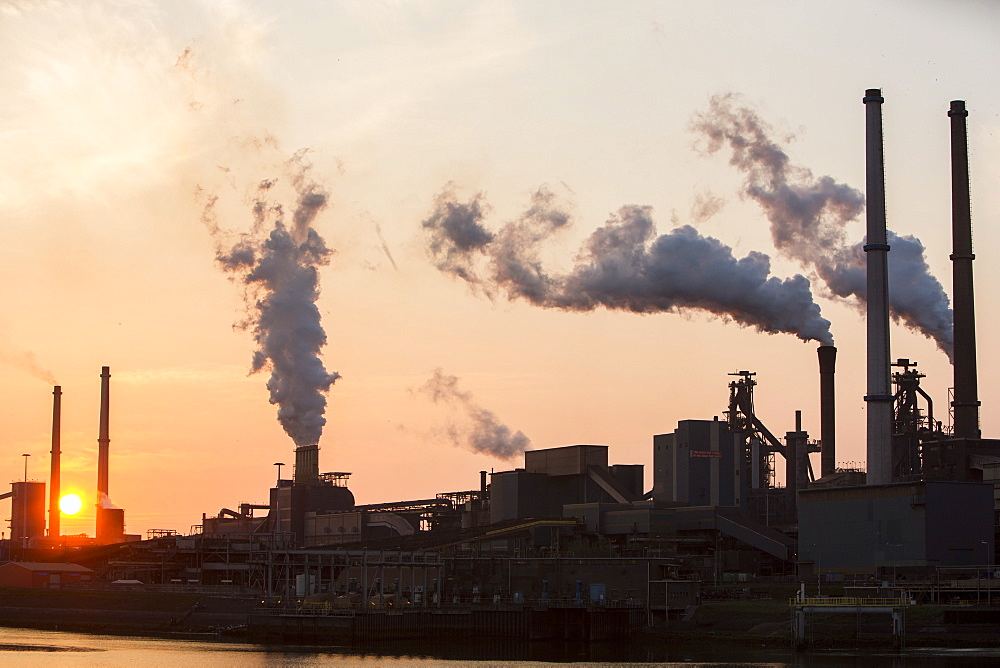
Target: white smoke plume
[[480, 430], [808, 215], [278, 263], [26, 361], [622, 266]]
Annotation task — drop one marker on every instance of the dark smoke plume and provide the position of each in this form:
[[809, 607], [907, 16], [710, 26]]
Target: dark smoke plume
[[808, 216], [279, 269], [482, 432], [622, 266]]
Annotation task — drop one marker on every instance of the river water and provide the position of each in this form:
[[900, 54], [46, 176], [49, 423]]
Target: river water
[[27, 647]]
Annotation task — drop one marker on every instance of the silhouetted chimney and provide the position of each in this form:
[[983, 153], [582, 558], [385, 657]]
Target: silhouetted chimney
[[103, 440], [827, 409], [879, 397], [966, 403], [54, 474], [796, 463]]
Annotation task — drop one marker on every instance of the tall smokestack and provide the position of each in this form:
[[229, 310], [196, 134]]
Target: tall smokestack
[[966, 403], [306, 464], [879, 395], [827, 409], [54, 484], [103, 440]]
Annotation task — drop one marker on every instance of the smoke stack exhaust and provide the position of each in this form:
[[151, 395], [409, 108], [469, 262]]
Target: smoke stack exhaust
[[966, 403], [827, 409], [54, 485], [876, 249], [103, 440]]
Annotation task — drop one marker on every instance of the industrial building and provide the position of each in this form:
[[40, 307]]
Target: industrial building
[[44, 575], [700, 464], [555, 477], [914, 526], [28, 513], [571, 525]]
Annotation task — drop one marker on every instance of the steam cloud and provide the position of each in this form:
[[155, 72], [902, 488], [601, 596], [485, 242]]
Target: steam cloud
[[26, 361], [482, 431], [279, 269], [622, 265], [808, 215]]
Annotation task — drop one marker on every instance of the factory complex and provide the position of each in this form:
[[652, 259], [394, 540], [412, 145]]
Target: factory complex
[[570, 529]]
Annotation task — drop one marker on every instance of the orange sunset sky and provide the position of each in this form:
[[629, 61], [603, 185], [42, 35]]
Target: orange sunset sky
[[122, 121]]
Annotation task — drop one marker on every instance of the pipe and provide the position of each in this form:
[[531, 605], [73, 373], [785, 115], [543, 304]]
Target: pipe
[[54, 483], [966, 403], [827, 409], [103, 440], [879, 397]]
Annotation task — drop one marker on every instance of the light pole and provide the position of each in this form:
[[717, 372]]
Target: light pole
[[25, 466], [989, 572], [895, 558], [716, 560], [819, 572]]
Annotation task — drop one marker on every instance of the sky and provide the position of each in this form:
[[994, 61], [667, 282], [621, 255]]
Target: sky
[[154, 154]]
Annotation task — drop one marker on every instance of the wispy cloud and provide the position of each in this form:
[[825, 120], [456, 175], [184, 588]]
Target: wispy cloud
[[193, 373]]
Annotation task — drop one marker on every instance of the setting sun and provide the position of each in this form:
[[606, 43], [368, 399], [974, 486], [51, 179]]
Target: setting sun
[[70, 504]]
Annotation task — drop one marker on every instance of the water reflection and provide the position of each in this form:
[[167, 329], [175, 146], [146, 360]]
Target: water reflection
[[25, 647]]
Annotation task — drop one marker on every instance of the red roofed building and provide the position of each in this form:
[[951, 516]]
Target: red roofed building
[[38, 575]]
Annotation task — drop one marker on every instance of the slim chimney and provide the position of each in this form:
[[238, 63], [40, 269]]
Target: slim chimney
[[103, 440], [879, 395], [802, 456], [966, 403], [306, 464], [54, 486], [827, 409], [796, 465]]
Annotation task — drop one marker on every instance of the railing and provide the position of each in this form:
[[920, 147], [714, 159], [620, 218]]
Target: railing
[[306, 610], [351, 607], [847, 601]]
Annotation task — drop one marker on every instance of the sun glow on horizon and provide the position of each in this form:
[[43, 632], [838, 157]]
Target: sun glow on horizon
[[70, 504]]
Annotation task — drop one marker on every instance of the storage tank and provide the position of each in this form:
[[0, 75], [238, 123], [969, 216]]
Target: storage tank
[[27, 519]]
